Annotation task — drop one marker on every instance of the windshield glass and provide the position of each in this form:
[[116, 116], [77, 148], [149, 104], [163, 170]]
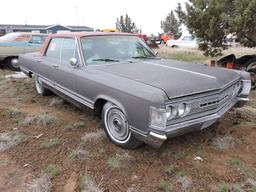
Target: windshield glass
[[9, 37], [102, 49]]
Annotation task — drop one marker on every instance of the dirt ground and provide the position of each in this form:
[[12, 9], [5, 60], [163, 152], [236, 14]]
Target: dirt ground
[[47, 144]]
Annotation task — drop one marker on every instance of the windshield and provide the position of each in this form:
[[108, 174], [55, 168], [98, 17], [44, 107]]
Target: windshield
[[114, 48], [9, 37]]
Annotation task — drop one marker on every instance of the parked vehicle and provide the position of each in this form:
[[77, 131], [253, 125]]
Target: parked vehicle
[[13, 44], [186, 41], [140, 97], [245, 63]]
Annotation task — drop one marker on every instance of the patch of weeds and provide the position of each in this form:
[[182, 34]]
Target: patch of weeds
[[42, 183], [119, 161], [179, 155], [78, 125], [225, 142], [235, 162], [181, 174], [79, 154], [55, 102], [52, 170], [19, 137], [252, 189], [93, 136], [169, 169], [185, 182], [249, 173], [11, 112], [41, 119], [164, 186], [226, 187], [87, 184], [50, 143], [8, 140]]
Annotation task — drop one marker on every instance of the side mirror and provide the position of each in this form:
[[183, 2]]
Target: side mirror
[[73, 62]]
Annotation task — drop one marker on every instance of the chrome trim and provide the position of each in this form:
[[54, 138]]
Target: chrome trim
[[158, 136], [242, 99]]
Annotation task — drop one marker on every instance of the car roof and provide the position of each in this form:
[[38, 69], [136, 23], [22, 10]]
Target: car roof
[[83, 34], [29, 33]]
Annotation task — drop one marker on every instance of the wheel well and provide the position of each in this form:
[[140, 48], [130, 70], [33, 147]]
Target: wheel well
[[9, 57], [98, 106]]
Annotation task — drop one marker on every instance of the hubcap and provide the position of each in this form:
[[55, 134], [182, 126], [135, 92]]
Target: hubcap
[[117, 125], [15, 63]]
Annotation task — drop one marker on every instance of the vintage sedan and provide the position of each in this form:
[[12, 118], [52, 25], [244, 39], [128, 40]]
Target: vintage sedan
[[140, 97], [13, 44]]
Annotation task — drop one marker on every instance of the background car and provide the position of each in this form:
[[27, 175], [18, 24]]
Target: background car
[[13, 44], [185, 41]]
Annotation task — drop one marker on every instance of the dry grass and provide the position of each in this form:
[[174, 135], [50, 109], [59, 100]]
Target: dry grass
[[119, 161], [50, 143], [39, 184], [93, 136], [8, 140], [88, 185], [225, 142], [41, 119], [186, 54]]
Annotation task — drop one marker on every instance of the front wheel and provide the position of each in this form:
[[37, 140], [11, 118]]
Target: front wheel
[[40, 89], [117, 127], [12, 63]]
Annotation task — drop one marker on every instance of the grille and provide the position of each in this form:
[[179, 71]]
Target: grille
[[210, 104]]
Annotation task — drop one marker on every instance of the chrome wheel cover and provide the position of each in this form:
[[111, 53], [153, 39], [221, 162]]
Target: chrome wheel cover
[[117, 125]]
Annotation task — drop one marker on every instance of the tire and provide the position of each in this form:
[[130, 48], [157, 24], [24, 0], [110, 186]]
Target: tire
[[40, 89], [12, 63], [252, 70], [116, 127], [253, 78]]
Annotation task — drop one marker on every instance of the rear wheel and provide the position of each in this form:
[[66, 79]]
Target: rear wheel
[[40, 89], [117, 127]]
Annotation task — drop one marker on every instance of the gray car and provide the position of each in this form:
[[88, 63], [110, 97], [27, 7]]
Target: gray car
[[140, 97]]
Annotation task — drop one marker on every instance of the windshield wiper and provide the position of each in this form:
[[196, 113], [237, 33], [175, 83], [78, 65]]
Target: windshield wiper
[[106, 60], [144, 57]]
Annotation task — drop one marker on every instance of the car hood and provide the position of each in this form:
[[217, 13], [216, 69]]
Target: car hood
[[175, 78]]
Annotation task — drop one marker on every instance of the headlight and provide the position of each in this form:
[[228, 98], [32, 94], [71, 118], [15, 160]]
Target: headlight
[[158, 117], [172, 112], [183, 109]]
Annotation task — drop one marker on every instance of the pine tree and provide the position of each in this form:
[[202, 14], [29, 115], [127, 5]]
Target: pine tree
[[171, 25], [126, 25]]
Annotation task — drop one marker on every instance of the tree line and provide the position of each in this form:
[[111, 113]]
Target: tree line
[[209, 21]]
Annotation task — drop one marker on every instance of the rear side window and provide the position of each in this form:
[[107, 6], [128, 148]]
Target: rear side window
[[68, 50], [54, 48], [37, 39]]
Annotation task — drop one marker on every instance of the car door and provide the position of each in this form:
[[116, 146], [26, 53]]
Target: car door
[[65, 73], [48, 63]]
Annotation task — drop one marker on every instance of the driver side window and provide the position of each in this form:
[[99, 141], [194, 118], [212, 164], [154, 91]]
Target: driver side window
[[54, 48]]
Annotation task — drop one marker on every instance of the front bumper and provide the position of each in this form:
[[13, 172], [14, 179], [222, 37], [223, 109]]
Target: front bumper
[[156, 138]]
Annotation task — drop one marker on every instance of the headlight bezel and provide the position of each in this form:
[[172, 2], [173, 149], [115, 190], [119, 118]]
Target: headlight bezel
[[166, 114]]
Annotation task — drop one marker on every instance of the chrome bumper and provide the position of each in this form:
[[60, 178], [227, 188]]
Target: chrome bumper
[[156, 138]]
